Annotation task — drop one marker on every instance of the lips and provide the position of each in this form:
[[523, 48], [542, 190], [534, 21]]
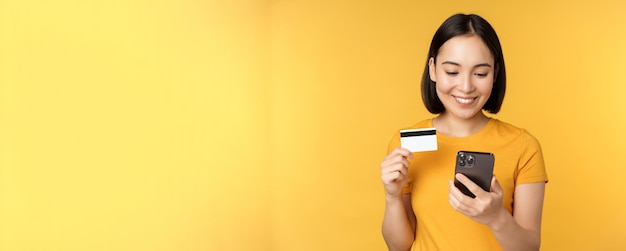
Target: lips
[[464, 101]]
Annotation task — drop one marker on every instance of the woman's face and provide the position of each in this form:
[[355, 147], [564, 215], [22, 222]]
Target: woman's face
[[464, 75]]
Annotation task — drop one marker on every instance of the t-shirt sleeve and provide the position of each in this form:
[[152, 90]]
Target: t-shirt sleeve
[[531, 167], [393, 144]]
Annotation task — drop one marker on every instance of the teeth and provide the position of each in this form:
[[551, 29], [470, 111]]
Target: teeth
[[464, 100]]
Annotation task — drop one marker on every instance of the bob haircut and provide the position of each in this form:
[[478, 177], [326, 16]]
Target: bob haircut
[[462, 24]]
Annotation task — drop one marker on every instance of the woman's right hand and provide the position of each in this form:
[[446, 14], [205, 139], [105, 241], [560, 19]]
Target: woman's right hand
[[394, 171]]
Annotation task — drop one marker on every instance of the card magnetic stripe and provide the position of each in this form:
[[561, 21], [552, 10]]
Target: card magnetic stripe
[[418, 133]]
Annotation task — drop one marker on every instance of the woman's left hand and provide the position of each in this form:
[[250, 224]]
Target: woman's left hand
[[486, 208]]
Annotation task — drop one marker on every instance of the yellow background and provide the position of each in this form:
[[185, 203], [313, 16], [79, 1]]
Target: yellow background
[[260, 125]]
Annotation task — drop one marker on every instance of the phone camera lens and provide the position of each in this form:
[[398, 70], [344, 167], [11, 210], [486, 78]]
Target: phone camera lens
[[462, 163], [470, 160], [462, 157]]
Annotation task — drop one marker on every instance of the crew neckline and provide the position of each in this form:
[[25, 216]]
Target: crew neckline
[[475, 136]]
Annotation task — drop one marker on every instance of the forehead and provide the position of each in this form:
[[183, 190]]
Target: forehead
[[465, 49]]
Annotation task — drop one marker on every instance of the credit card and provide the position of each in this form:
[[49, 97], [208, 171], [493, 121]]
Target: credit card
[[419, 140]]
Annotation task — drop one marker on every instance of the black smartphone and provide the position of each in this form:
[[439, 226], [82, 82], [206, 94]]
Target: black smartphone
[[477, 166]]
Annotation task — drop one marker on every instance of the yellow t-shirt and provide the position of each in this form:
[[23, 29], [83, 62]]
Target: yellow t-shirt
[[518, 160]]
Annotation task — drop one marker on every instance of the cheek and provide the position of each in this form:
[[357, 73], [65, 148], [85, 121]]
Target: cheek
[[485, 86], [442, 87], [444, 83]]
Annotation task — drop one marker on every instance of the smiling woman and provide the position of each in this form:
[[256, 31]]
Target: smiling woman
[[465, 75]]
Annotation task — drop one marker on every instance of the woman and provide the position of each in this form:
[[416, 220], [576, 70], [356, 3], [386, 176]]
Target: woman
[[464, 75]]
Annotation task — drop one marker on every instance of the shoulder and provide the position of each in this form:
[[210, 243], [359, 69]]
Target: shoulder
[[505, 128], [513, 133], [426, 123]]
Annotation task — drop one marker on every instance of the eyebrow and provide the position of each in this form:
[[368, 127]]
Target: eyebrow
[[457, 64]]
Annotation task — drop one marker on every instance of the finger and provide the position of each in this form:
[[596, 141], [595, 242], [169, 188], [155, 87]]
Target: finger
[[455, 192], [404, 170], [391, 168], [405, 152], [393, 163], [454, 202], [395, 152], [391, 177], [410, 154], [459, 201], [396, 168], [471, 186], [458, 195], [400, 151], [495, 185], [401, 159]]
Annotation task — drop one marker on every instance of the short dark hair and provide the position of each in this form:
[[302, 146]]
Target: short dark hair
[[461, 24]]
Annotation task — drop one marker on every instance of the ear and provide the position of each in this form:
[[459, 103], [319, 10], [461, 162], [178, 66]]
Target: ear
[[431, 69]]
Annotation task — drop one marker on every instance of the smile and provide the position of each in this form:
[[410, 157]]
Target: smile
[[464, 101]]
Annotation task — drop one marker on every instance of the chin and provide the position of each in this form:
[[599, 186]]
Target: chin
[[468, 115]]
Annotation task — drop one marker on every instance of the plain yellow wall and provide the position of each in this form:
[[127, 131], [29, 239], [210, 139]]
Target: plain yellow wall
[[134, 125], [260, 125]]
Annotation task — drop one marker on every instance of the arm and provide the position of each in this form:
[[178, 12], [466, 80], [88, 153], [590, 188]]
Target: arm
[[399, 220], [399, 223], [520, 231]]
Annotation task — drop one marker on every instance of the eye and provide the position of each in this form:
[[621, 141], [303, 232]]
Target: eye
[[452, 73], [482, 75]]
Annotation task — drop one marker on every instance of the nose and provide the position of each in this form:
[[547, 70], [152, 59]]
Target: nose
[[466, 84]]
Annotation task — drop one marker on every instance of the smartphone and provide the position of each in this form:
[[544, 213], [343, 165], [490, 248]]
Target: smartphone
[[477, 166]]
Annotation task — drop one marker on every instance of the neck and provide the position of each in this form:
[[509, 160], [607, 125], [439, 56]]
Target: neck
[[459, 127]]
